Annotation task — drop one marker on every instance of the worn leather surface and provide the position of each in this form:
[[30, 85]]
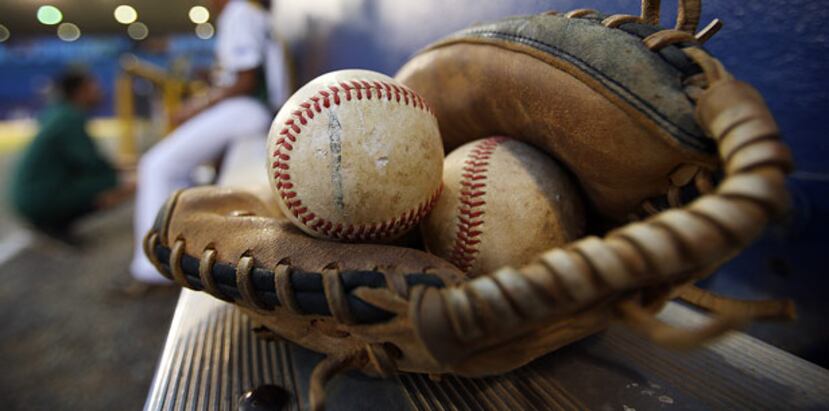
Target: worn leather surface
[[623, 64], [236, 223], [558, 100]]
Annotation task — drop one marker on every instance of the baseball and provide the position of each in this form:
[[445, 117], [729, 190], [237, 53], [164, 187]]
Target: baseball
[[355, 156], [503, 203]]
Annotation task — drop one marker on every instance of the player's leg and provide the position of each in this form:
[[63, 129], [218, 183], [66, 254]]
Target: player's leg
[[168, 165]]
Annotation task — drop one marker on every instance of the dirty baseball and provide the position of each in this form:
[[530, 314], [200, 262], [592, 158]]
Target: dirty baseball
[[503, 202], [355, 156]]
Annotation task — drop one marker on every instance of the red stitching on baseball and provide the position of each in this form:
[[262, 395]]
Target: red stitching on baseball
[[291, 131], [470, 215]]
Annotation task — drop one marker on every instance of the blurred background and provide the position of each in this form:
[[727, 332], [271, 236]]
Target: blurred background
[[72, 340]]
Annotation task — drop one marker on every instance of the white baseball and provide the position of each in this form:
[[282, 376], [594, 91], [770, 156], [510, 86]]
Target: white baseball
[[355, 156], [504, 202]]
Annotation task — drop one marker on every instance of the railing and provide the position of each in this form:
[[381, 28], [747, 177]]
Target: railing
[[173, 88]]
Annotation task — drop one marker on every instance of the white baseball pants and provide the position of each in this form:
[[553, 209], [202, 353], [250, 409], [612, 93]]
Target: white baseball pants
[[169, 164]]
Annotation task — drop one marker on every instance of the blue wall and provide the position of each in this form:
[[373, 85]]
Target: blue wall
[[27, 66]]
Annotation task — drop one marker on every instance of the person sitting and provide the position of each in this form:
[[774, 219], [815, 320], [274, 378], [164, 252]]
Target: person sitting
[[61, 175], [252, 82]]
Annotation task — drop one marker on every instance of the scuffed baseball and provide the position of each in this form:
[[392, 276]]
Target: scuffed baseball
[[355, 156], [504, 202]]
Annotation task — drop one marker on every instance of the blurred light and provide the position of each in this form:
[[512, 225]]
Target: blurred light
[[68, 32], [138, 31], [49, 15], [204, 31], [4, 33], [199, 14], [125, 14]]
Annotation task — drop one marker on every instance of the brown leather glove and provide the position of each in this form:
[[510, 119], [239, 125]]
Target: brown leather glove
[[642, 116]]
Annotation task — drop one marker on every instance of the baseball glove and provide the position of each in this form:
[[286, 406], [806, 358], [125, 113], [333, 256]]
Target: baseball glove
[[680, 164]]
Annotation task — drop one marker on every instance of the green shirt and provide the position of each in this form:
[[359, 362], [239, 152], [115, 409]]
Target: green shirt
[[61, 172]]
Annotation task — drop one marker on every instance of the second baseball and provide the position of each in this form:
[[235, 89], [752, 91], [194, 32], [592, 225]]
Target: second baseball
[[504, 202], [355, 156]]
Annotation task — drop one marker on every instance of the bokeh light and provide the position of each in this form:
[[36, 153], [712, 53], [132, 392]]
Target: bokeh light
[[199, 14], [68, 32], [125, 14], [205, 31], [49, 15], [4, 33], [138, 31]]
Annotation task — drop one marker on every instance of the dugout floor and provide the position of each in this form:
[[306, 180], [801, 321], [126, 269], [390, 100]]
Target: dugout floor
[[69, 340]]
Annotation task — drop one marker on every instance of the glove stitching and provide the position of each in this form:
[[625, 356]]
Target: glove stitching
[[358, 89], [206, 263], [151, 241], [176, 253], [229, 287], [244, 283], [702, 183]]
